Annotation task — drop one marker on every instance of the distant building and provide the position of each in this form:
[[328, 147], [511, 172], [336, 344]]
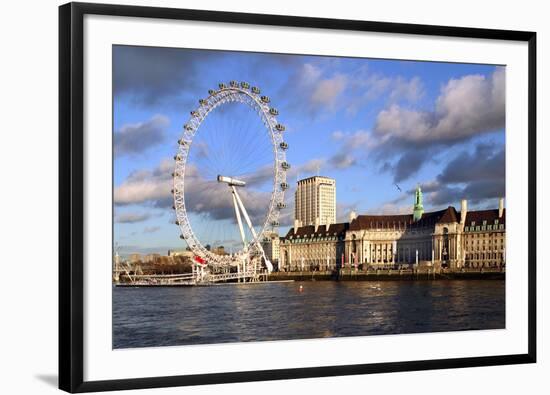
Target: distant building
[[270, 245], [444, 238], [310, 247], [220, 250], [183, 253], [315, 202], [151, 257], [484, 238], [134, 257]]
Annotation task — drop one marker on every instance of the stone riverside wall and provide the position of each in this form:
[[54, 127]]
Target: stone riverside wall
[[382, 275]]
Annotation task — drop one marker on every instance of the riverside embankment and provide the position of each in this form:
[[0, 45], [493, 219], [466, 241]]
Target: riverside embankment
[[391, 275]]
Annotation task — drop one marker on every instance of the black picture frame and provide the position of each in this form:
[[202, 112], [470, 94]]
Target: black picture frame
[[71, 198]]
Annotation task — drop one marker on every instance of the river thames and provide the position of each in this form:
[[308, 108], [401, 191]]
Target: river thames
[[169, 316]]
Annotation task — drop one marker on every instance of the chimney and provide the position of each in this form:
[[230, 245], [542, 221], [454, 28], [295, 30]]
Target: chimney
[[500, 207], [352, 216], [297, 224], [463, 211]]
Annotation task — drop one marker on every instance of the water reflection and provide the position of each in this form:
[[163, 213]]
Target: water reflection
[[280, 311]]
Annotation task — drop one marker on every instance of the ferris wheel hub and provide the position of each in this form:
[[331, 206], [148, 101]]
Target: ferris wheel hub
[[231, 181]]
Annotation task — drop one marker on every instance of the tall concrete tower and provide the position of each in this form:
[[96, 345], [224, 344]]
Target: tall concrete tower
[[418, 207], [315, 201], [463, 211]]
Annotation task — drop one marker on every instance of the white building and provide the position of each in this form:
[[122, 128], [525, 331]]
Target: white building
[[270, 245], [315, 202], [444, 238]]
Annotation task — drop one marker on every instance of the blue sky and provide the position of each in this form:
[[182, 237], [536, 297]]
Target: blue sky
[[368, 123]]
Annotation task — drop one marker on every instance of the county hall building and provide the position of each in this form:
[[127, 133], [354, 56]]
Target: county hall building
[[444, 238]]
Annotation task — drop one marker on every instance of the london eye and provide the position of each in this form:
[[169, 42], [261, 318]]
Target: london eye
[[230, 177]]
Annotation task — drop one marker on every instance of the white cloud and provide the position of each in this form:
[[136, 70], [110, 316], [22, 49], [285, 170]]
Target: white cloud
[[366, 88], [202, 196], [309, 75], [326, 92], [130, 218], [151, 229], [307, 169], [405, 139], [314, 90], [400, 123], [342, 160], [409, 90], [471, 105], [352, 146], [137, 137], [146, 185]]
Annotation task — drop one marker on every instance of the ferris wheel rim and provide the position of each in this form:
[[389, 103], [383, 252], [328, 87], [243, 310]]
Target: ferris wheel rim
[[260, 104]]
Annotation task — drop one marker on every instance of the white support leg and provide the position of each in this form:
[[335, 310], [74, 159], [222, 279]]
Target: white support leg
[[243, 210], [238, 215], [249, 223]]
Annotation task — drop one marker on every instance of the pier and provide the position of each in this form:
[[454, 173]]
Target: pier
[[191, 279], [194, 279]]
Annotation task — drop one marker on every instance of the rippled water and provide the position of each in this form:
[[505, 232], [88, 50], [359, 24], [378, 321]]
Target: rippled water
[[146, 317]]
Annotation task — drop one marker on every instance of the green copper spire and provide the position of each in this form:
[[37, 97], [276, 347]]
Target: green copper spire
[[418, 207]]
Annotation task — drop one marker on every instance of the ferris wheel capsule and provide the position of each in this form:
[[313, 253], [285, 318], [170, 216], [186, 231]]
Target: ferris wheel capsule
[[265, 99], [285, 165], [280, 128], [234, 84], [245, 85], [273, 111], [281, 205], [202, 102], [284, 186], [222, 85], [211, 92], [256, 90], [195, 114], [283, 145]]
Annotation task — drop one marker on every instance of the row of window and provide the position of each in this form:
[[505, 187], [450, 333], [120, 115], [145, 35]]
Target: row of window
[[316, 239], [484, 222], [483, 249], [478, 228], [489, 241], [494, 255]]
